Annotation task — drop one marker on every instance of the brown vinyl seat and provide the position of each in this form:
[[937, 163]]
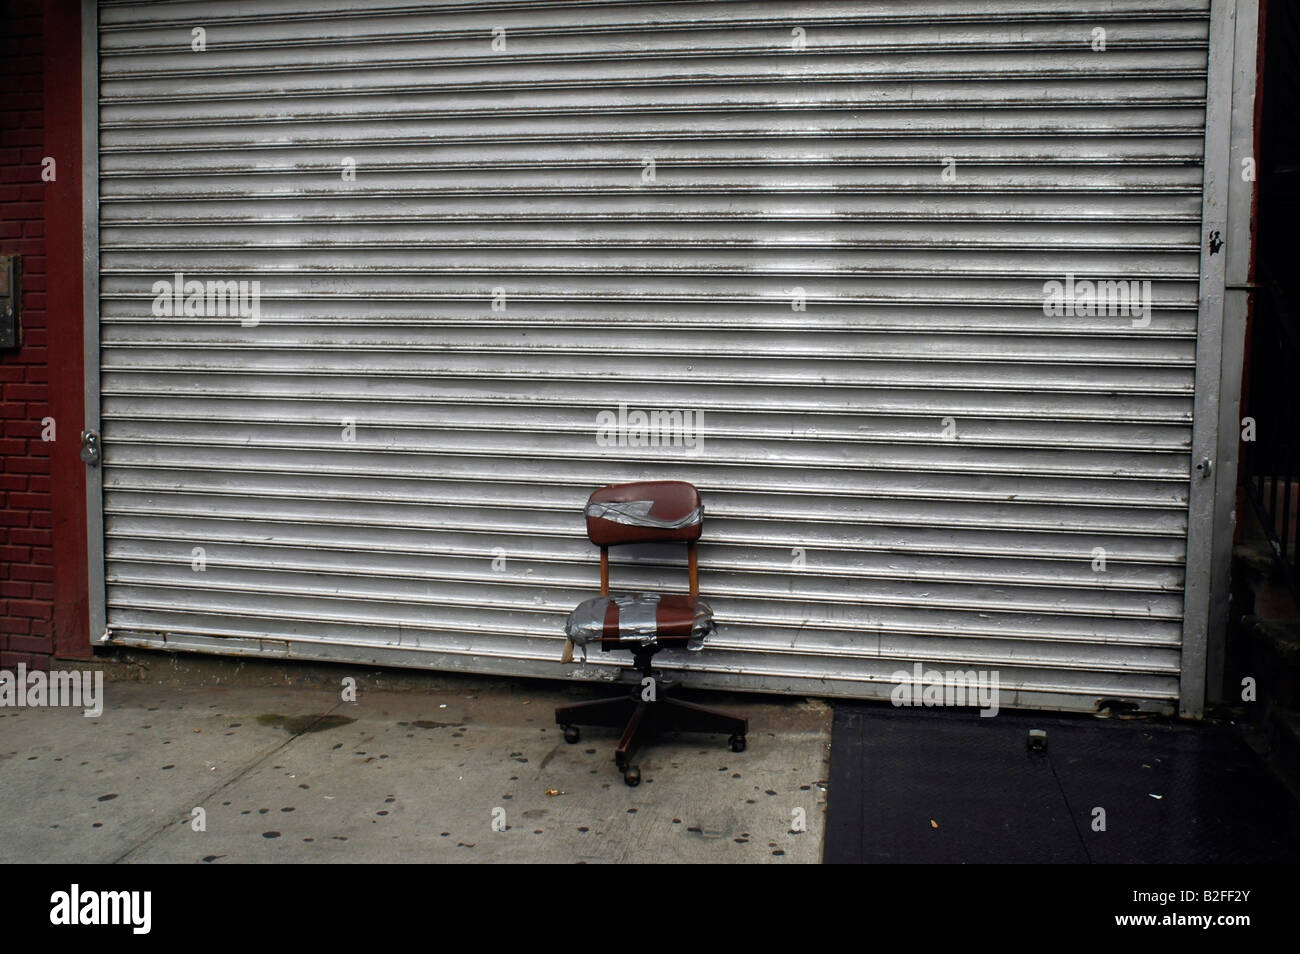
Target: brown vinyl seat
[[674, 621], [662, 511]]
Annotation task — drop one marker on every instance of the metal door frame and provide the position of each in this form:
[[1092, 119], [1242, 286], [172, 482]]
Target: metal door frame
[[1220, 340], [96, 580]]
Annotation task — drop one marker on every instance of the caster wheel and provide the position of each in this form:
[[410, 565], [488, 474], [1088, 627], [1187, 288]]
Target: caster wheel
[[632, 776], [737, 743], [571, 734]]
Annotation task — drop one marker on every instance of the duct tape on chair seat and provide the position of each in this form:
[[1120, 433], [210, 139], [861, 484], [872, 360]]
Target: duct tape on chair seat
[[645, 618]]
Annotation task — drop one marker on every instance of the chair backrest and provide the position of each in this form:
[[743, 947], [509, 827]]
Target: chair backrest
[[652, 511]]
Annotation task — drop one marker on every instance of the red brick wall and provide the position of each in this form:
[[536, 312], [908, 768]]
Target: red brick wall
[[41, 490], [26, 520]]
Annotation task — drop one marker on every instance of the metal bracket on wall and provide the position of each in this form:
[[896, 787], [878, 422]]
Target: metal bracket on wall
[[90, 449], [11, 296]]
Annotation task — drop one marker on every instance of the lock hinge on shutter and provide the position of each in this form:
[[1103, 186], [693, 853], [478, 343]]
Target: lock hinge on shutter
[[90, 449]]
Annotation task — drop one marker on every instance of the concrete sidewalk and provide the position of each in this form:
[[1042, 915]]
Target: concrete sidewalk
[[286, 774]]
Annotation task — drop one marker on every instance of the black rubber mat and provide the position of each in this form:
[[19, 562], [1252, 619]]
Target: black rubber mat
[[944, 785]]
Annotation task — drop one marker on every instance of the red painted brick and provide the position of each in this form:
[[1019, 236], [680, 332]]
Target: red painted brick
[[28, 465], [29, 608], [25, 392], [31, 250], [39, 574], [11, 660], [29, 644], [16, 100], [38, 117], [29, 501], [15, 518]]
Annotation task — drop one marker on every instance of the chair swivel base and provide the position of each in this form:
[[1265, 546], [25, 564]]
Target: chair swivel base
[[641, 721]]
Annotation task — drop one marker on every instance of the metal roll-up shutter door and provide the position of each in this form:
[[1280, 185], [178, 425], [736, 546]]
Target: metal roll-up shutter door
[[918, 466]]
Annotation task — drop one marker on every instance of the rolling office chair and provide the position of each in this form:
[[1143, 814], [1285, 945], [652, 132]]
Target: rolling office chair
[[648, 512]]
